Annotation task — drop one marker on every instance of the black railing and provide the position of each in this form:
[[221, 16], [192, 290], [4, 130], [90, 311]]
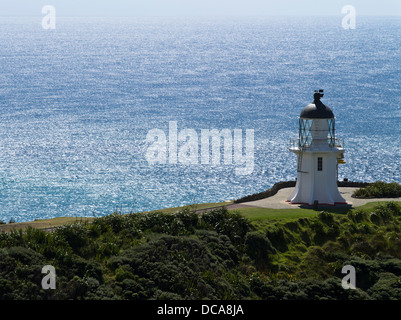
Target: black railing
[[307, 142]]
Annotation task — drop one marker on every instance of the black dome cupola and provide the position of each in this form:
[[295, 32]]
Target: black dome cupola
[[317, 110]]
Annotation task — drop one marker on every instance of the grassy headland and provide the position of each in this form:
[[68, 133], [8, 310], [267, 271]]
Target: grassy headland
[[217, 255], [246, 253]]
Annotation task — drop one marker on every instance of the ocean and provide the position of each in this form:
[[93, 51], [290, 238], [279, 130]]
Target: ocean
[[77, 103]]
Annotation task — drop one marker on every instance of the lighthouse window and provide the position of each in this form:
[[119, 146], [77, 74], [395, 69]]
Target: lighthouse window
[[319, 164]]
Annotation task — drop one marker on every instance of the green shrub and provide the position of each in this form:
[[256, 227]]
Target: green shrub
[[323, 232], [357, 215], [326, 217], [177, 264], [189, 219], [123, 272], [115, 220], [363, 247], [387, 287], [314, 264], [394, 208], [116, 223], [379, 189], [76, 235], [277, 238], [25, 255], [391, 264], [231, 224], [258, 246], [383, 213]]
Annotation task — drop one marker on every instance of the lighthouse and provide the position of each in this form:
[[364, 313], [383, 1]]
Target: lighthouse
[[318, 154]]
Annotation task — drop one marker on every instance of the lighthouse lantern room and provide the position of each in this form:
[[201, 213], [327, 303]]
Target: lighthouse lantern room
[[318, 154]]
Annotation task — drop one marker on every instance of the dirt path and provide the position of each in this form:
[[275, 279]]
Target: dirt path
[[278, 201]]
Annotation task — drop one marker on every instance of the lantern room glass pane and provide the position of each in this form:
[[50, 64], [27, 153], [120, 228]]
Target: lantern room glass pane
[[305, 134], [332, 133]]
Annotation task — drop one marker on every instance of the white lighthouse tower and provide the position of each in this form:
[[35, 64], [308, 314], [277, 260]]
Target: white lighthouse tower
[[319, 152]]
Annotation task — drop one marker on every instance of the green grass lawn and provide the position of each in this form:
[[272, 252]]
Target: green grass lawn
[[197, 206], [253, 213], [262, 217], [43, 223]]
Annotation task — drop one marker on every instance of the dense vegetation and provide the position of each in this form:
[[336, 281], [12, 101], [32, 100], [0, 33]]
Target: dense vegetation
[[216, 255], [379, 189]]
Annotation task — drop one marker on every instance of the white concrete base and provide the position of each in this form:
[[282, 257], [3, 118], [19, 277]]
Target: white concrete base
[[317, 185]]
